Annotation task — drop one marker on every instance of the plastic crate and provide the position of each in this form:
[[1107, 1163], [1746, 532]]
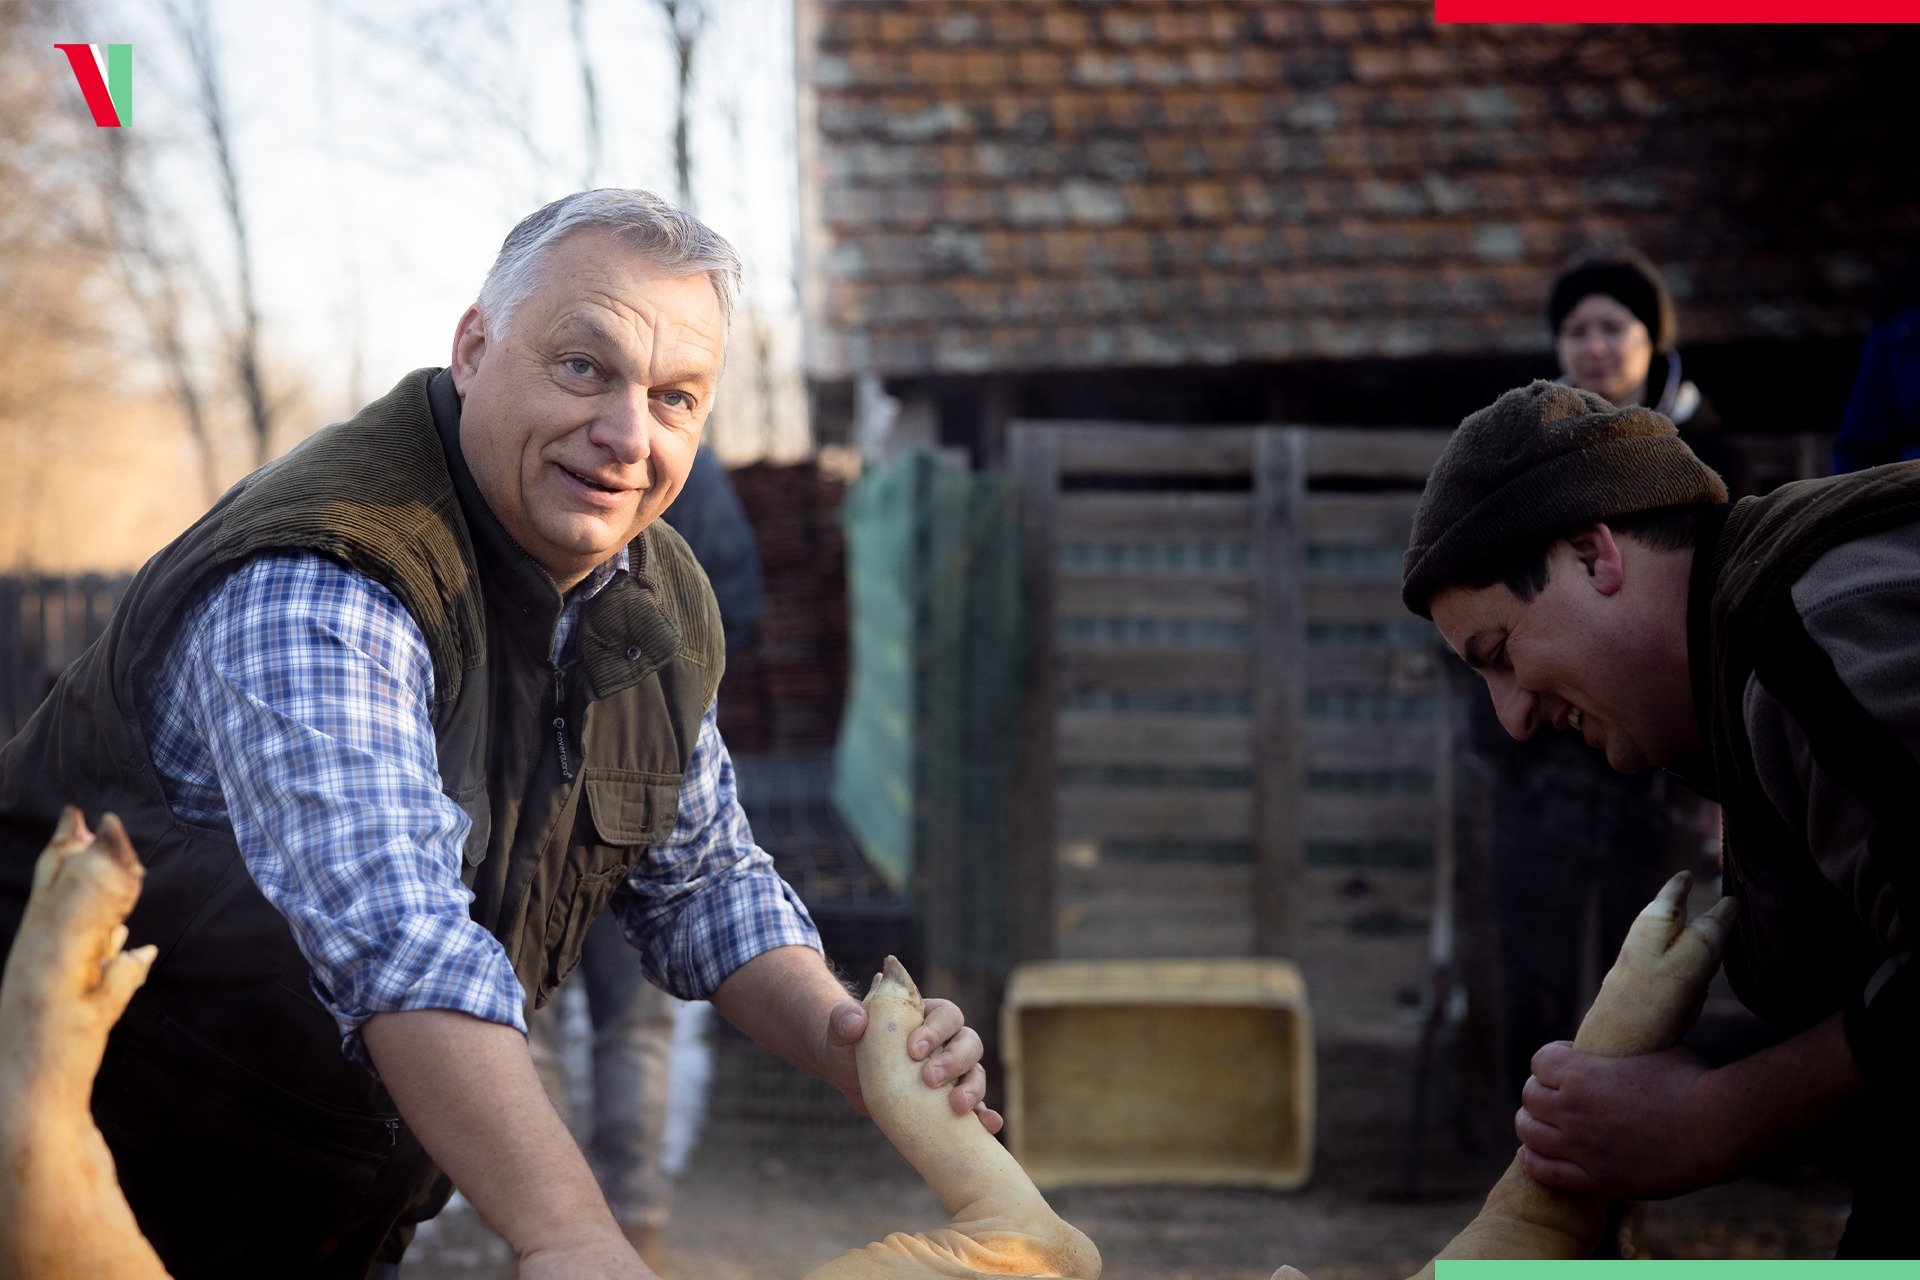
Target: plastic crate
[[1160, 1071]]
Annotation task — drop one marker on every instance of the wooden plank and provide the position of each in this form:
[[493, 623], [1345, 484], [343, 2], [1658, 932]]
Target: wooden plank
[[1121, 929], [1035, 462], [1331, 746], [1404, 454], [1375, 707], [1355, 599], [1124, 931], [1120, 909], [1360, 517], [1279, 695], [1366, 817], [1109, 515], [1156, 882], [1090, 449], [12, 716], [1404, 890], [1093, 737], [46, 627], [1170, 670], [1389, 667], [1203, 814], [1116, 595]]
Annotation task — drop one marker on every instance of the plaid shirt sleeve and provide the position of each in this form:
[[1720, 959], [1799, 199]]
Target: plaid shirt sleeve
[[305, 688], [706, 900]]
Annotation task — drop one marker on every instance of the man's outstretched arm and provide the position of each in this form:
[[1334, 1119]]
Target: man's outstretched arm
[[468, 1091]]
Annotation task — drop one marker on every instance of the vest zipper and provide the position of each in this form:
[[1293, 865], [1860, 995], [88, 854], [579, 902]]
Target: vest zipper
[[560, 723], [393, 1134]]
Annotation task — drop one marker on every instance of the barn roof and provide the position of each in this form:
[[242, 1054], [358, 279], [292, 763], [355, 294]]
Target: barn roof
[[998, 185]]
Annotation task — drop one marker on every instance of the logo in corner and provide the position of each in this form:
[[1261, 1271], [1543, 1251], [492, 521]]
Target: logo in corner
[[105, 74]]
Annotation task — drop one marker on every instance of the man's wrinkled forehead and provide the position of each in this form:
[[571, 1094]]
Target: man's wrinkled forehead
[[677, 343]]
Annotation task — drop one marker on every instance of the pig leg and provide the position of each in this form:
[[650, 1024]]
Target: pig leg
[[62, 1216]]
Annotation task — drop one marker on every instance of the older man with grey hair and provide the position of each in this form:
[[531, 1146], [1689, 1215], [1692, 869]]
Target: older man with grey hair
[[390, 727]]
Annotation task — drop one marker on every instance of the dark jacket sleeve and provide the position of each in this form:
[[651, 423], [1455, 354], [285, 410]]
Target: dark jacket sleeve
[[1882, 419], [708, 514], [1842, 764]]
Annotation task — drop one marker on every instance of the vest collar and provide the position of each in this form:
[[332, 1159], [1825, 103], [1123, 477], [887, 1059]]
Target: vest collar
[[624, 635]]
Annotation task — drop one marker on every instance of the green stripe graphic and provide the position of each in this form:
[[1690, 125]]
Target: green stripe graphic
[[120, 80]]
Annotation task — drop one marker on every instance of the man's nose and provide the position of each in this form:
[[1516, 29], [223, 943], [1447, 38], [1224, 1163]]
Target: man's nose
[[1519, 710], [625, 428]]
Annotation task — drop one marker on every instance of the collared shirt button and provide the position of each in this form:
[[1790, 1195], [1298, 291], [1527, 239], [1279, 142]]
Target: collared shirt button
[[633, 653]]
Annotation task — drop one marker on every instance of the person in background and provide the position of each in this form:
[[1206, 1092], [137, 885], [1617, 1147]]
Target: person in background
[[1613, 328], [632, 1019], [1882, 421]]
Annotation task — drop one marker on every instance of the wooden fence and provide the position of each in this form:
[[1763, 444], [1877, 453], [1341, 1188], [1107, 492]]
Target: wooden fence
[[45, 623], [1228, 699]]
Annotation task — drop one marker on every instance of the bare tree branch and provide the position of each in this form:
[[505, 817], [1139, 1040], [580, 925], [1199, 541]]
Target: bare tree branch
[[686, 20], [152, 279], [577, 10], [193, 27]]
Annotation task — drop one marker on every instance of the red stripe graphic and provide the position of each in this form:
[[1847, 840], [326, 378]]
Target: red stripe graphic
[[1688, 11], [92, 84]]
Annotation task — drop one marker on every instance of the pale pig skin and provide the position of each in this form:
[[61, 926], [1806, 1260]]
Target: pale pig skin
[[1650, 997], [1000, 1226], [67, 981]]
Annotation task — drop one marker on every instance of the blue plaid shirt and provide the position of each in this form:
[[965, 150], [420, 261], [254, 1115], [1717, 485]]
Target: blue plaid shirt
[[292, 709]]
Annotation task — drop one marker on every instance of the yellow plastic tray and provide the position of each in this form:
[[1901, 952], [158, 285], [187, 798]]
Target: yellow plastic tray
[[1159, 1071]]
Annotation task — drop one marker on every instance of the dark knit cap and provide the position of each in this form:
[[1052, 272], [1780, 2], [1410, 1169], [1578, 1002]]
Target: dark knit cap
[[1626, 277], [1539, 462]]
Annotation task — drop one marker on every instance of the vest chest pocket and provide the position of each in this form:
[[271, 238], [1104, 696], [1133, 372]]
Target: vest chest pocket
[[632, 808], [626, 812]]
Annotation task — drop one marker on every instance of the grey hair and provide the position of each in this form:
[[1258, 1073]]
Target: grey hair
[[666, 235]]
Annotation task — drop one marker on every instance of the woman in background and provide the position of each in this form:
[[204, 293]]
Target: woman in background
[[1613, 331]]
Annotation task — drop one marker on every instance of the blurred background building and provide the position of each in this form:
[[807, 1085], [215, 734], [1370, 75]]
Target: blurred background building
[[1218, 211]]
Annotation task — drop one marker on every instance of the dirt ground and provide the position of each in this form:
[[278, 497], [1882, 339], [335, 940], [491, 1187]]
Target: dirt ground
[[771, 1194]]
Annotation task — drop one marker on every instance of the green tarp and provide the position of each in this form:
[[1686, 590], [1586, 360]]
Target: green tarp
[[923, 766]]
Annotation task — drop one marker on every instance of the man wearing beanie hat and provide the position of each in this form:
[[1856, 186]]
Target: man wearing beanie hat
[[1562, 920], [1583, 560]]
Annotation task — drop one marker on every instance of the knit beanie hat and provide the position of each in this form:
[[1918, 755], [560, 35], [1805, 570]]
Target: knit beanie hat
[[1541, 461], [1623, 275]]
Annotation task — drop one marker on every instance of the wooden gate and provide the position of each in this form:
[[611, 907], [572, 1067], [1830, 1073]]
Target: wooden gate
[[1234, 735]]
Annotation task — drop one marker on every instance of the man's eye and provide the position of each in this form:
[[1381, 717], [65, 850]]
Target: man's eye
[[676, 399], [580, 366]]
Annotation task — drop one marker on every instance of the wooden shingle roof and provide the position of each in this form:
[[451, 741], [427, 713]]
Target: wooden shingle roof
[[996, 185]]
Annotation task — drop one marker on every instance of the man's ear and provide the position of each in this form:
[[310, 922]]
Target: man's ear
[[469, 343], [1599, 554]]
